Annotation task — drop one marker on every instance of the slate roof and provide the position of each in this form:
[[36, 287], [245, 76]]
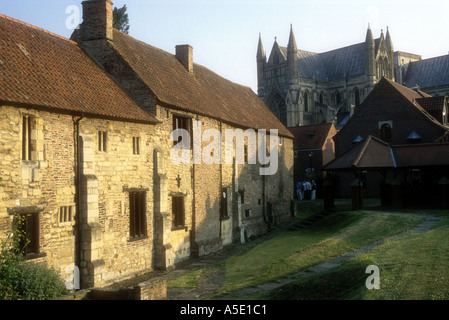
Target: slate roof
[[42, 70], [203, 92], [428, 73], [331, 65], [311, 136]]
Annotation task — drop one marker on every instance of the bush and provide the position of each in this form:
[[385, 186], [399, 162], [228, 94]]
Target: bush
[[20, 279]]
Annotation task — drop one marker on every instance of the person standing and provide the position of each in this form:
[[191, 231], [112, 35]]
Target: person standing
[[313, 196], [298, 190]]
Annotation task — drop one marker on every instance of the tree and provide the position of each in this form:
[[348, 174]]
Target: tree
[[120, 19]]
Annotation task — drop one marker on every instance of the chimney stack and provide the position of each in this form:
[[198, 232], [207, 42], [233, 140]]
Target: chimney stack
[[97, 20], [184, 53]]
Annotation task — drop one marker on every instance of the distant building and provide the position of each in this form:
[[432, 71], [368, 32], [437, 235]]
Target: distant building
[[396, 115], [313, 148], [304, 88]]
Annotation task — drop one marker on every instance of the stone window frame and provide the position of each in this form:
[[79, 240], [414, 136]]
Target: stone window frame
[[102, 141], [178, 211], [32, 216], [66, 215], [31, 136], [136, 145], [181, 121], [137, 213]]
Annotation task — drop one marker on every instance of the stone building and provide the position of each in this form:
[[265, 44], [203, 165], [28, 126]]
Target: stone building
[[303, 87], [88, 151]]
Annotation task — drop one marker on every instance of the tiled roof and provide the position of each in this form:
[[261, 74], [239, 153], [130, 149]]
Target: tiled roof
[[370, 153], [433, 103], [430, 154], [310, 137], [373, 153], [42, 70], [203, 92]]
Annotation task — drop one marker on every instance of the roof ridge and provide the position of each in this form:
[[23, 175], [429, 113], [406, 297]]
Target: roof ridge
[[36, 28]]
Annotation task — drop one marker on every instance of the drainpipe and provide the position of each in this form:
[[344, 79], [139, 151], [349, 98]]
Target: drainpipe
[[76, 124]]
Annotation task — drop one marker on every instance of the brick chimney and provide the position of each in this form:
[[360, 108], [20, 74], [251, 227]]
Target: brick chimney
[[184, 53], [97, 20]]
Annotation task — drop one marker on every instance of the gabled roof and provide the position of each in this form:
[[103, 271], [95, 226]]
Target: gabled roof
[[411, 97], [370, 153], [42, 70], [203, 92], [311, 136]]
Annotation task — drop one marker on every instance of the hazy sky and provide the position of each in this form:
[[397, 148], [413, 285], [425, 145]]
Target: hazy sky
[[224, 34]]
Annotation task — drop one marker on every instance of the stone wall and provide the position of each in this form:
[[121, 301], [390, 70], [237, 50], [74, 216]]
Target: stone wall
[[87, 224], [44, 185]]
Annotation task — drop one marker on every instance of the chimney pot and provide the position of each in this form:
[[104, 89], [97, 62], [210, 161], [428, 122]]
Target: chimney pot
[[184, 53]]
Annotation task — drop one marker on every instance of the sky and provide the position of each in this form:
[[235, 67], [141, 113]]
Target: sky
[[224, 34]]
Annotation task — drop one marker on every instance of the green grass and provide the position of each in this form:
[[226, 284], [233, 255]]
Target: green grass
[[189, 280], [293, 251], [415, 267]]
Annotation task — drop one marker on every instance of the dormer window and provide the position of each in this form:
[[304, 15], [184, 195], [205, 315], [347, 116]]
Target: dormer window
[[357, 139], [413, 137]]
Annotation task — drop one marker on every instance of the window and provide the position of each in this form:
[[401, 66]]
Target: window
[[65, 214], [247, 213], [137, 214], [306, 101], [27, 146], [102, 136], [180, 122], [136, 145], [178, 212], [385, 131], [27, 233]]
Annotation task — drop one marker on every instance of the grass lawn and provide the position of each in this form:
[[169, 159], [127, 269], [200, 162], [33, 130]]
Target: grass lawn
[[297, 250], [414, 267]]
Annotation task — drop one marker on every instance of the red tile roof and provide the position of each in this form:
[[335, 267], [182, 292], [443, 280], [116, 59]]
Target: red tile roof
[[370, 153], [311, 136], [203, 92], [433, 103], [420, 155], [43, 70], [373, 153]]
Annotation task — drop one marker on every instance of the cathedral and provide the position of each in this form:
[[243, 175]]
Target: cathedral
[[303, 88]]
